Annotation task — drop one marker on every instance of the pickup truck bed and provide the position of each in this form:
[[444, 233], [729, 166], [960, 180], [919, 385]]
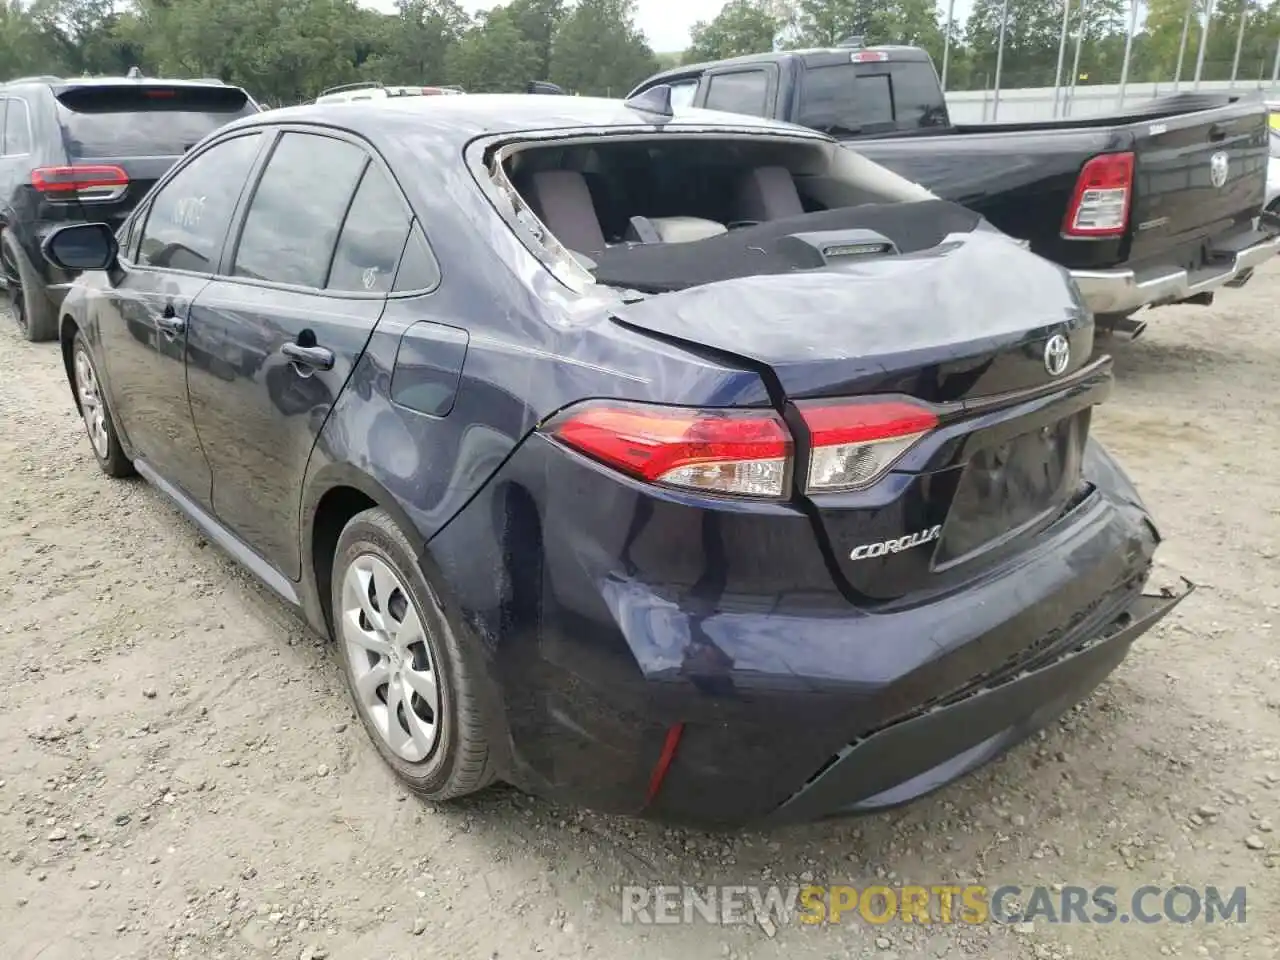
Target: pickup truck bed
[[1160, 205]]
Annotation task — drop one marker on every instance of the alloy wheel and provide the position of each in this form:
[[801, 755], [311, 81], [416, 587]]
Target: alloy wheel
[[91, 409], [392, 666]]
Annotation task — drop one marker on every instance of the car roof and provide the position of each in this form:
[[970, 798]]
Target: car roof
[[472, 115]]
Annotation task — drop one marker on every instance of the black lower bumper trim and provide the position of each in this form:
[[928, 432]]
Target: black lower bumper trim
[[914, 757]]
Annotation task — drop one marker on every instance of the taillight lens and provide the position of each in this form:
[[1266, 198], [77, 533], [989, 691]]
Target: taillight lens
[[729, 452], [80, 182], [854, 443], [1100, 204]]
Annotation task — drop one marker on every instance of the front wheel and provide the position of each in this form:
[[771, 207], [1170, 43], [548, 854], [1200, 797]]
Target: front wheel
[[407, 671], [95, 413]]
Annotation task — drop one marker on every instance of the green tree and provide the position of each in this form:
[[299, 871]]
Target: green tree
[[494, 56], [598, 50], [742, 26], [536, 21]]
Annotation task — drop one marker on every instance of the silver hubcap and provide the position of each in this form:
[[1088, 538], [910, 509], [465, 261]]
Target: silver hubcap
[[391, 662], [95, 418]]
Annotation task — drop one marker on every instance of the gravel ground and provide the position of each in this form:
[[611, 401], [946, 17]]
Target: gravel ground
[[180, 774]]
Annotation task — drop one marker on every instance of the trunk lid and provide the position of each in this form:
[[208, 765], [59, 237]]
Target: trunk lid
[[964, 328], [1195, 176]]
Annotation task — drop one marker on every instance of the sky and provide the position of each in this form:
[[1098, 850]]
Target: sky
[[665, 22]]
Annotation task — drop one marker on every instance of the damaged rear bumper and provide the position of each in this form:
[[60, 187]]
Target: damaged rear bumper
[[1125, 290], [915, 756]]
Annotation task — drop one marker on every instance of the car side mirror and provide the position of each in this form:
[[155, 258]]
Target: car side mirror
[[82, 246]]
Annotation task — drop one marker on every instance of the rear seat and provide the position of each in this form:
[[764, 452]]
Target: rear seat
[[767, 193], [562, 201]]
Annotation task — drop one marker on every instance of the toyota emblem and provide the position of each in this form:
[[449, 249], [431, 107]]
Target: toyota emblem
[[1057, 355], [1218, 168]]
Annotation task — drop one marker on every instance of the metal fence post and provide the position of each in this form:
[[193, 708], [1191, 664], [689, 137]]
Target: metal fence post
[[1062, 49], [1128, 49], [1004, 21], [1075, 68], [1204, 42], [1235, 63], [1182, 45], [946, 42]]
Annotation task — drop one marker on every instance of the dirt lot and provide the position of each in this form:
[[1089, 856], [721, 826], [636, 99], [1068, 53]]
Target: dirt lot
[[180, 774]]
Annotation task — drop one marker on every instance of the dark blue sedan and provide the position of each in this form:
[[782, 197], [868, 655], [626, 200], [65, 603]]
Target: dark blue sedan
[[669, 463]]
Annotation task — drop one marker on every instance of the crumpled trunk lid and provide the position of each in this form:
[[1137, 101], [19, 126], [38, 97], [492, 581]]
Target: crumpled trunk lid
[[991, 336]]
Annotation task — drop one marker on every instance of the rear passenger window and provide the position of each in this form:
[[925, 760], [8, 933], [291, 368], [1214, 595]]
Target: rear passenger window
[[187, 222], [741, 92], [293, 220], [418, 270], [17, 133], [372, 238]]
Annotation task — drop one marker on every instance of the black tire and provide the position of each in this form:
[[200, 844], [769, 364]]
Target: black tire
[[29, 304], [112, 460], [460, 761]]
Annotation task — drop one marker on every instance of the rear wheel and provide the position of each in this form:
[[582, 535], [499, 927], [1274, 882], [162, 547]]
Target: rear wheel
[[408, 673], [29, 305], [95, 413]]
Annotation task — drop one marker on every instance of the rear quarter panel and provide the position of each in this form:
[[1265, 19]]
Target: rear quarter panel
[[532, 348]]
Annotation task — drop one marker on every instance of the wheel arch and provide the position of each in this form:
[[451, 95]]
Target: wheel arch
[[335, 494], [67, 330]]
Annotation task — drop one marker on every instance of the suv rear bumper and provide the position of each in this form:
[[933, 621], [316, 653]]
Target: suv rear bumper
[[1125, 290]]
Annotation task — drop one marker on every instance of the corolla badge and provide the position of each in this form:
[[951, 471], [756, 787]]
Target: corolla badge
[[1057, 355], [1218, 167], [897, 545]]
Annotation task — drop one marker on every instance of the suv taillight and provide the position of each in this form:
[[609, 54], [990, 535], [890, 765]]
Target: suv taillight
[[86, 182], [1100, 203], [746, 452]]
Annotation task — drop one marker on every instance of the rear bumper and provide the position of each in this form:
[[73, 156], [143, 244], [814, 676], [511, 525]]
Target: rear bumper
[[791, 703], [1125, 290], [920, 754]]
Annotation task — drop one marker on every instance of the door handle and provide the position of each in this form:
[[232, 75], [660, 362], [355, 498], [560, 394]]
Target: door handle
[[170, 323], [317, 358], [1217, 134]]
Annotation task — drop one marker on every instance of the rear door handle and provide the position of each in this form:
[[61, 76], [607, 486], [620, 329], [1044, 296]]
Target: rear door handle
[[317, 358], [1216, 134]]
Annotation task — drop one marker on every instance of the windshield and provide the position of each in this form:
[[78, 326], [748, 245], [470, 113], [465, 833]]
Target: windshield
[[847, 99]]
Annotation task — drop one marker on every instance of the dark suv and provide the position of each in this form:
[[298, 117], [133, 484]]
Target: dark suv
[[88, 149]]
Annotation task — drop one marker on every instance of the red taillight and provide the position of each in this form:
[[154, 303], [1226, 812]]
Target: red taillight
[[1100, 204], [160, 94], [737, 452], [870, 56], [71, 180], [854, 443]]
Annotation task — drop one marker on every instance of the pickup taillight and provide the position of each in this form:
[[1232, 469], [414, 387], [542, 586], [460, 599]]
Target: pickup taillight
[[1100, 202]]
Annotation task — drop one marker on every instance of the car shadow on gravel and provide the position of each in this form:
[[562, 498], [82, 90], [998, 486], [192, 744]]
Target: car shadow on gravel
[[944, 837]]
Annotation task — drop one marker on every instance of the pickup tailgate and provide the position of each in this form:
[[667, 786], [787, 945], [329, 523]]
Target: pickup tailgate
[[1195, 176]]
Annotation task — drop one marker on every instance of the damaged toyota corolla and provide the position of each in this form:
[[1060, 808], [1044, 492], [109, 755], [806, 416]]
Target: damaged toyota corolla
[[685, 465]]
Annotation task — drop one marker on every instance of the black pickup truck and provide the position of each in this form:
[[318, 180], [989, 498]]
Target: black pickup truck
[[1154, 206]]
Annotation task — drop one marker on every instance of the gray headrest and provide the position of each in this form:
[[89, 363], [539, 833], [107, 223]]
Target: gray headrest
[[768, 193], [562, 201]]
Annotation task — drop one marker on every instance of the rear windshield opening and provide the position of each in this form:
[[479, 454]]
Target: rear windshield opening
[[103, 121], [626, 207], [847, 99]]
